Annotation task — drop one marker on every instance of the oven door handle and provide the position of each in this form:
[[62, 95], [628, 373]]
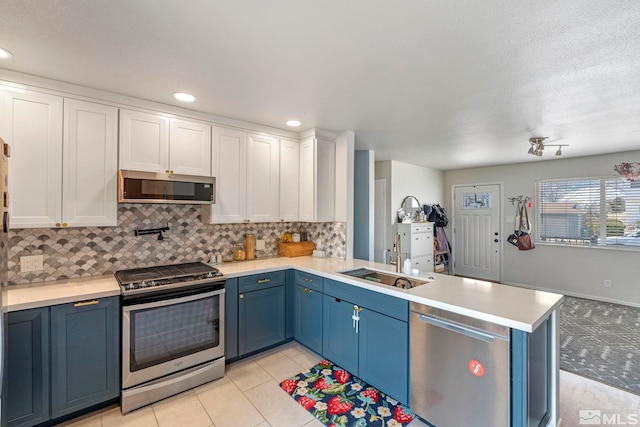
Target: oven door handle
[[172, 301]]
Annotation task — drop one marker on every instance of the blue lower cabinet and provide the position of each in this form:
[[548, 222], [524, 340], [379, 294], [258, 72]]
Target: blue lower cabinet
[[308, 317], [231, 319], [85, 359], [339, 338], [383, 358], [290, 303], [261, 319], [26, 396]]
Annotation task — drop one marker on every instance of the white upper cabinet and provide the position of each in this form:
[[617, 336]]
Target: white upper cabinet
[[156, 143], [228, 161], [246, 167], [144, 142], [317, 179], [189, 148], [63, 167], [32, 126], [90, 164], [263, 178], [289, 180]]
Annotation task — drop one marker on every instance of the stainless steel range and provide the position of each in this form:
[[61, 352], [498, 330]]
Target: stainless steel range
[[172, 330]]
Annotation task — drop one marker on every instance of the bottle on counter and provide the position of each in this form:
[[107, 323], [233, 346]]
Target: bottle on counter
[[239, 254], [304, 236], [250, 246], [407, 265]]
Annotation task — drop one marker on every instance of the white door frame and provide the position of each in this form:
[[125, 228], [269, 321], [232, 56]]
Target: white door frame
[[380, 219], [500, 184]]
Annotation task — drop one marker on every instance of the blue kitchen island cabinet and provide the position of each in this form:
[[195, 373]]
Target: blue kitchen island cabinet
[[26, 396], [308, 310], [231, 319], [85, 359], [261, 311], [358, 337]]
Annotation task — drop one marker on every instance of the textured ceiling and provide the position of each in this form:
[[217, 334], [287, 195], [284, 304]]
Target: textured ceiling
[[440, 83]]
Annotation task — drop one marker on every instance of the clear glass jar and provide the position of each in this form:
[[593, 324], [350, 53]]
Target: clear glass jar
[[239, 254]]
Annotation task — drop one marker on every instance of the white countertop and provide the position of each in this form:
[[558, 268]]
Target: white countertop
[[22, 297], [510, 306]]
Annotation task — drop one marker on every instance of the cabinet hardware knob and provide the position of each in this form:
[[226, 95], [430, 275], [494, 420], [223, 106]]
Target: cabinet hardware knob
[[85, 303], [307, 290], [264, 280], [241, 296], [306, 279], [57, 224], [64, 224], [168, 171]]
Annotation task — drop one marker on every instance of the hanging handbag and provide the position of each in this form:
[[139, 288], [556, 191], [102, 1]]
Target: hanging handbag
[[524, 238]]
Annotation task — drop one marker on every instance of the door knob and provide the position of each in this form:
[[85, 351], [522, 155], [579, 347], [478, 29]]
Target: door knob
[[496, 233]]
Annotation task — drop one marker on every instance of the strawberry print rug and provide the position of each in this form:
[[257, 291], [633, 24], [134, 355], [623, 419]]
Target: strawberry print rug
[[338, 399]]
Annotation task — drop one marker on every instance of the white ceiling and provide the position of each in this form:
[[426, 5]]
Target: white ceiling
[[440, 83]]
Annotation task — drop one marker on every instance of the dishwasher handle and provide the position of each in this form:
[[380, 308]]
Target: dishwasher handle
[[460, 329]]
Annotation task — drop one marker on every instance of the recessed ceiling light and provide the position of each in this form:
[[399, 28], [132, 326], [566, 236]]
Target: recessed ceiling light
[[184, 97], [4, 54], [293, 123]]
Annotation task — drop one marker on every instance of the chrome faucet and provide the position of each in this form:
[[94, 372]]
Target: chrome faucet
[[397, 251]]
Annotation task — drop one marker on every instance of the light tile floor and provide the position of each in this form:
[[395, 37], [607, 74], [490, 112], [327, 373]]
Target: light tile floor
[[249, 395]]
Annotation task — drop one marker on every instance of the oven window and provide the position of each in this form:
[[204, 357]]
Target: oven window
[[165, 333]]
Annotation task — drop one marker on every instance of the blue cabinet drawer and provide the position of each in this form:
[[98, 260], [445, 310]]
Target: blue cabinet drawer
[[310, 281], [385, 304], [261, 281]]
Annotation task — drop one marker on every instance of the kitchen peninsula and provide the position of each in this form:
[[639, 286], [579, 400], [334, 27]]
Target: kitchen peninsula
[[522, 311]]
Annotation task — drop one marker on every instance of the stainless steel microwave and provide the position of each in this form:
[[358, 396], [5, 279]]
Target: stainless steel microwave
[[151, 187]]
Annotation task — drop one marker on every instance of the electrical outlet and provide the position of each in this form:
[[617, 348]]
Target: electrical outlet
[[31, 263], [260, 245], [607, 283]]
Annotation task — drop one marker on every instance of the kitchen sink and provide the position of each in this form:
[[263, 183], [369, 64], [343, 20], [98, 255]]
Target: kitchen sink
[[385, 278]]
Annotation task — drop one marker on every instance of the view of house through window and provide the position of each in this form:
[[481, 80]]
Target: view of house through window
[[588, 212]]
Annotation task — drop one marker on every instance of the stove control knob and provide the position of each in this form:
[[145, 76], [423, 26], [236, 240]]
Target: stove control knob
[[152, 283], [143, 284], [209, 275], [132, 286]]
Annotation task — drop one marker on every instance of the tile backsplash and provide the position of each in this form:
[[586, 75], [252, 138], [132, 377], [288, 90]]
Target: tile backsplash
[[95, 251]]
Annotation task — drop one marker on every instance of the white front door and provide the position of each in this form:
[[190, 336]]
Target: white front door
[[477, 240]]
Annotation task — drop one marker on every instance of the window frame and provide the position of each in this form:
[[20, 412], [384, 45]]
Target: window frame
[[601, 241]]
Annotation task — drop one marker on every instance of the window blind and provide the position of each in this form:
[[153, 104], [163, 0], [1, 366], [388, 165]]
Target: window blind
[[588, 212]]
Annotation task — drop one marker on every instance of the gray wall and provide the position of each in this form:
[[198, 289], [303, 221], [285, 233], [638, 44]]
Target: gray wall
[[363, 205], [571, 270]]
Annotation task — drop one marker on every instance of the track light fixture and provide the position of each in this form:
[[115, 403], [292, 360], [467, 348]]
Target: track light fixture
[[537, 146]]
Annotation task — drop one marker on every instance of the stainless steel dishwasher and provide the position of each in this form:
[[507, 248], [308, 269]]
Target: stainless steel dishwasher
[[459, 369]]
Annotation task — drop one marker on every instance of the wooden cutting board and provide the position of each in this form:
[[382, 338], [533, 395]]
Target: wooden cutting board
[[295, 249]]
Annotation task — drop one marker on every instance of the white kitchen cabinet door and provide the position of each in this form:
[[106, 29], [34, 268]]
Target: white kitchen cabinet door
[[228, 161], [90, 164], [189, 148], [144, 141], [289, 180], [263, 178], [32, 126], [317, 180]]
